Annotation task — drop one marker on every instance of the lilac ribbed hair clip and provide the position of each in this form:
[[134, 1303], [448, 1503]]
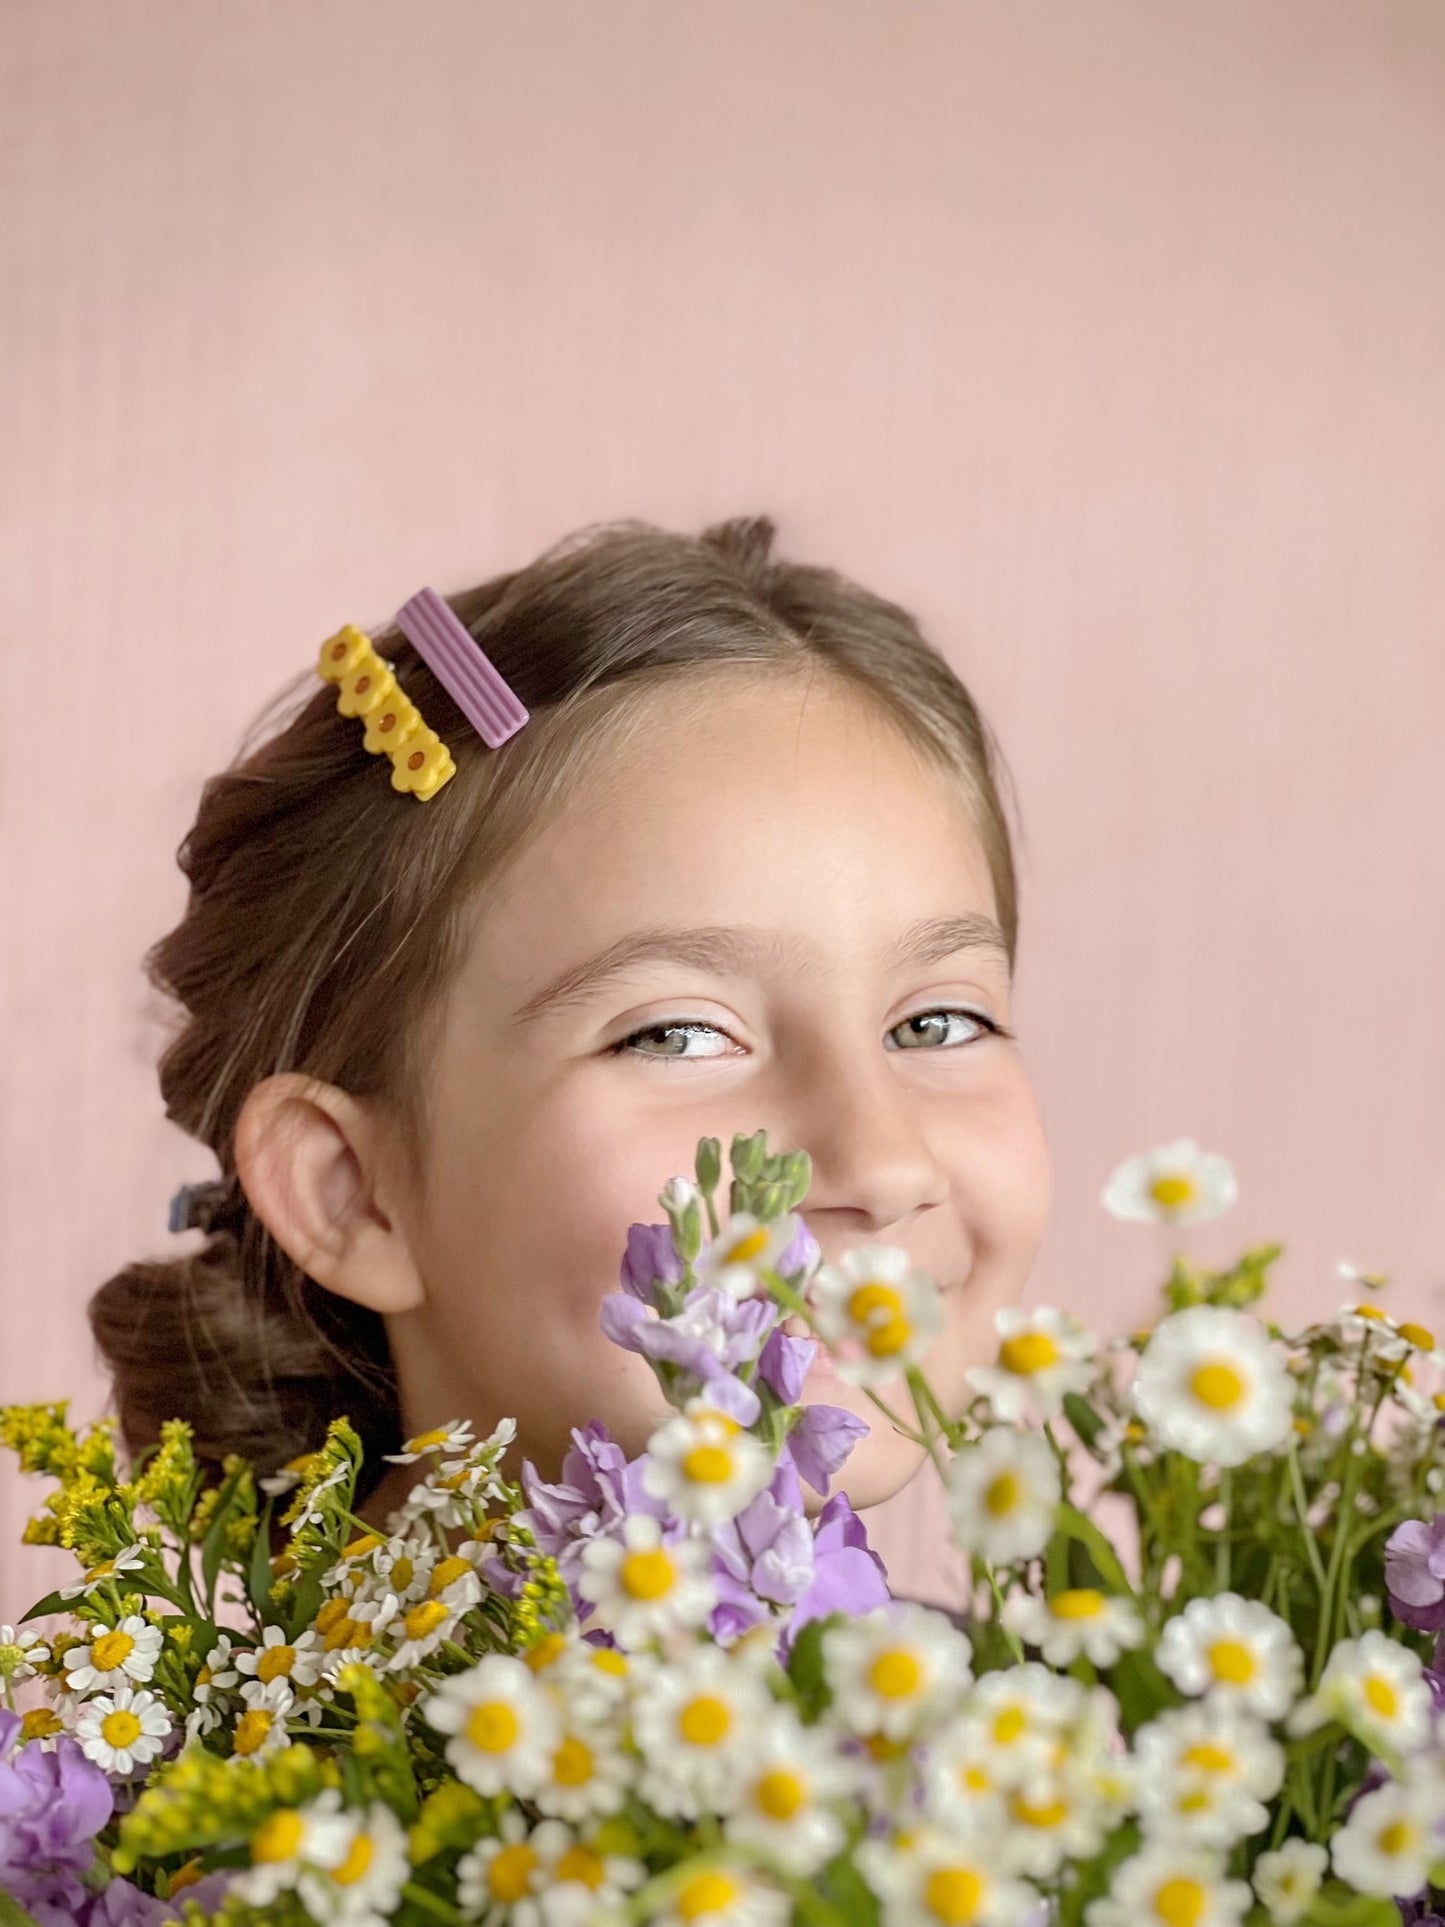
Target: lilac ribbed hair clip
[[459, 664]]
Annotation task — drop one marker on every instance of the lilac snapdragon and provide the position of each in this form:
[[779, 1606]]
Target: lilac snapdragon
[[1415, 1573]]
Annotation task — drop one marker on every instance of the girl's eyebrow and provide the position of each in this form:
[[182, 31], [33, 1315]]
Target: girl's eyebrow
[[720, 948]]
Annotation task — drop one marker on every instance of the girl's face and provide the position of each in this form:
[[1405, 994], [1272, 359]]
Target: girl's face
[[789, 845]]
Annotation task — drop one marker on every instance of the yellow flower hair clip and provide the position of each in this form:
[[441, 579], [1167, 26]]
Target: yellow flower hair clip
[[368, 690]]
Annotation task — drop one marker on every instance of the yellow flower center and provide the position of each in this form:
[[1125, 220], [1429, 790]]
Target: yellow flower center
[[953, 1895], [39, 1723], [275, 1663], [1217, 1384], [749, 1245], [359, 1857], [110, 1651], [706, 1893], [1372, 1312], [1180, 1902], [120, 1729], [427, 1441], [425, 1618], [895, 1675], [1419, 1335], [973, 1779], [607, 1659], [447, 1573], [545, 1651], [403, 1571], [359, 1547], [1398, 1837], [347, 1632], [10, 1658], [1171, 1190], [1079, 1602], [572, 1762], [327, 1617], [581, 1864], [510, 1875], [1052, 1814], [1381, 1697], [277, 1838], [780, 1793], [874, 1304], [205, 1676], [493, 1726], [1028, 1352], [648, 1575], [883, 1749], [1210, 1757], [1009, 1724], [1232, 1662], [1002, 1495], [251, 1730], [705, 1720], [708, 1465]]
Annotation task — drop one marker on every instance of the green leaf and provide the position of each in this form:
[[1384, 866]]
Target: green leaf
[[51, 1603], [213, 1546], [805, 1666], [258, 1580], [12, 1914], [1073, 1524], [1084, 1419], [1337, 1905]]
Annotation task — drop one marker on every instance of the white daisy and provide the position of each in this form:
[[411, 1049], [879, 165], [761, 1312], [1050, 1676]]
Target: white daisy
[[421, 1629], [929, 1874], [876, 1313], [548, 1875], [1078, 1622], [128, 1559], [452, 1494], [1288, 1879], [1007, 1734], [591, 1681], [1234, 1648], [364, 1885], [503, 1723], [705, 1465], [288, 1840], [1043, 1355], [453, 1437], [787, 1791], [20, 1653], [1205, 1772], [1172, 1184], [588, 1772], [1165, 1884], [1390, 1840], [641, 1588], [1212, 1386], [261, 1729], [726, 1897], [454, 1579], [116, 1656], [696, 1728], [892, 1669], [123, 1729], [216, 1677], [1003, 1494], [734, 1261], [1064, 1815], [1376, 1689], [298, 1660]]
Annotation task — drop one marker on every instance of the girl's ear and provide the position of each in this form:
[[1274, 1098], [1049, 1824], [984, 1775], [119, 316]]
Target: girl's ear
[[312, 1161]]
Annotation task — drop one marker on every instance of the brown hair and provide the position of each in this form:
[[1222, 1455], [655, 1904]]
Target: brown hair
[[326, 912]]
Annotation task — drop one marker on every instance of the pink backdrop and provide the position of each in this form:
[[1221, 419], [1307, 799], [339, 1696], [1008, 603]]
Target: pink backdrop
[[1109, 334]]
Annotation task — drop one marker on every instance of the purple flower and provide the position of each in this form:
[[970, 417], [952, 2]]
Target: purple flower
[[706, 1340], [763, 1558], [784, 1363], [821, 1440], [598, 1489], [1415, 1573], [848, 1574], [52, 1805], [802, 1253], [651, 1257]]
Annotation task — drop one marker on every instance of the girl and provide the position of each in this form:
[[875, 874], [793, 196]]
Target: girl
[[745, 867]]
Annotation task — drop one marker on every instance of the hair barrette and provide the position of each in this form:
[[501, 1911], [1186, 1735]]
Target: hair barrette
[[204, 1206], [368, 689]]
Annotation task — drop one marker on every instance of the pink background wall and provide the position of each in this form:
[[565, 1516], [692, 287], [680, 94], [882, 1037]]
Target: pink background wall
[[1109, 334]]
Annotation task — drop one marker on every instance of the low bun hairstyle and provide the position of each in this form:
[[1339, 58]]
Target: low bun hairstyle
[[326, 913]]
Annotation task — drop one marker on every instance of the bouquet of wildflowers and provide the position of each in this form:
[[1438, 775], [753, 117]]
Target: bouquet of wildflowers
[[1196, 1685]]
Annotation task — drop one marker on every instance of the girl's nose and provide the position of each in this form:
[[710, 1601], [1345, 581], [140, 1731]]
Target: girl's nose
[[869, 1139]]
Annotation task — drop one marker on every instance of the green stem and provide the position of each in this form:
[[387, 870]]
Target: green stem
[[429, 1903]]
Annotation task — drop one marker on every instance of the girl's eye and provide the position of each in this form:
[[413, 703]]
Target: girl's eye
[[684, 1028]]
